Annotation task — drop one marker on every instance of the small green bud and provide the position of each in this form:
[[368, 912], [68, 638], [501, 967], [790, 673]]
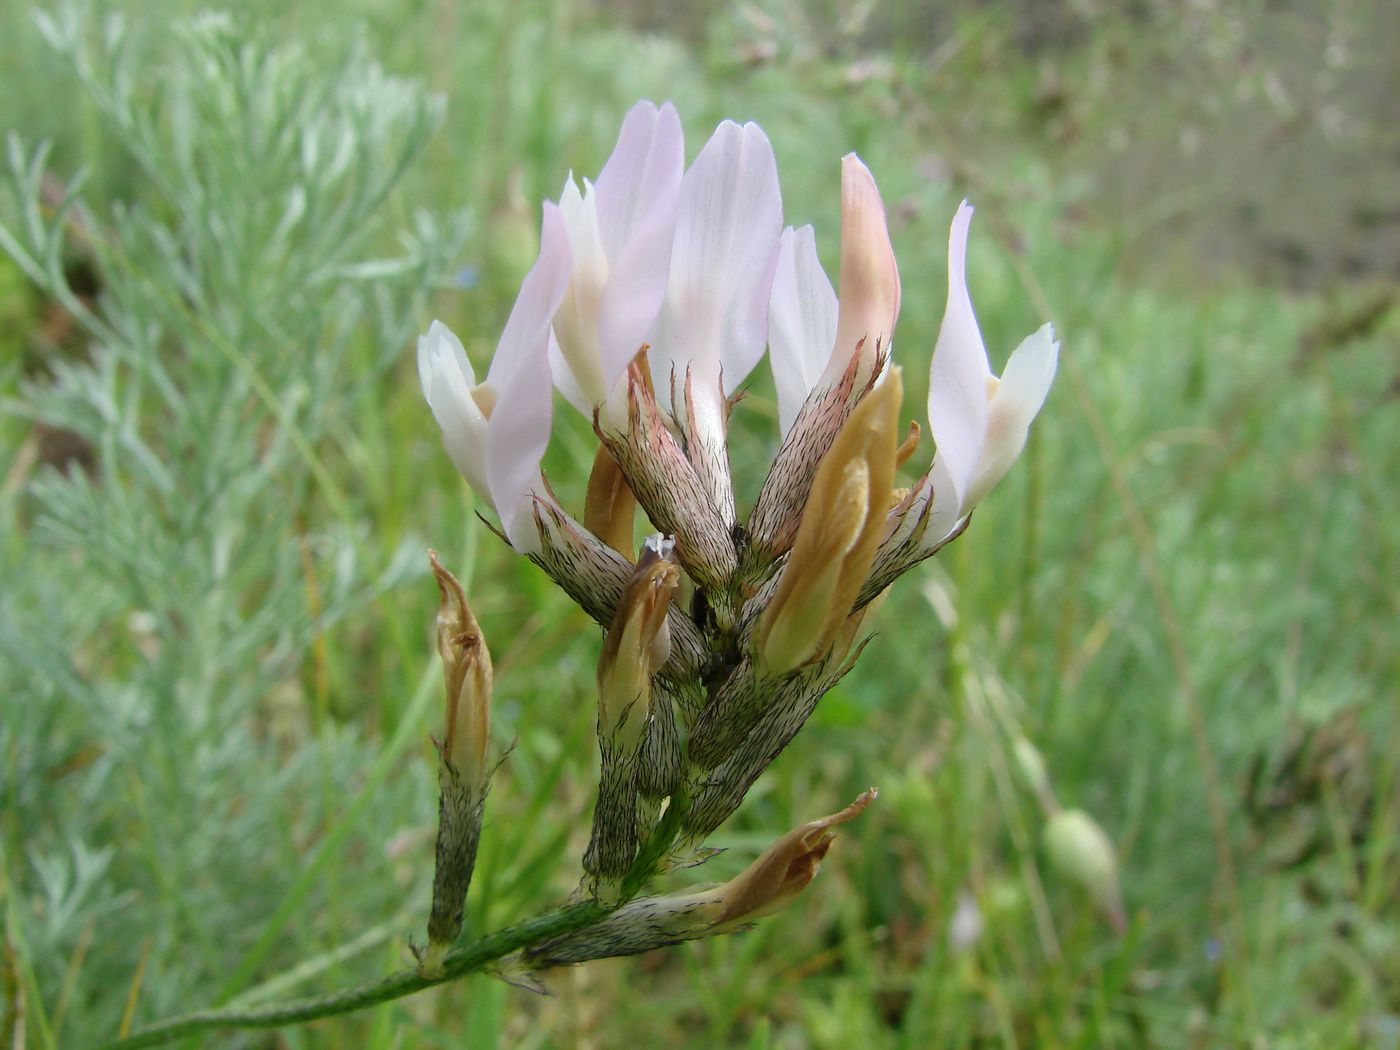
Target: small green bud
[[1081, 851]]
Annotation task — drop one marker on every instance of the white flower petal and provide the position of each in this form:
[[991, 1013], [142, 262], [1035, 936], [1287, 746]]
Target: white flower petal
[[518, 431], [636, 195], [957, 388], [645, 160], [947, 510], [1018, 398], [715, 317], [802, 321], [447, 380], [441, 341]]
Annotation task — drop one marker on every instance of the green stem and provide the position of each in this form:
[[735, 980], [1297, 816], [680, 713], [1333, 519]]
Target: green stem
[[459, 962], [662, 838]]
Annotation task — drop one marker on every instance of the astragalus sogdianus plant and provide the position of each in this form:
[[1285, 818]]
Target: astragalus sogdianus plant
[[656, 292]]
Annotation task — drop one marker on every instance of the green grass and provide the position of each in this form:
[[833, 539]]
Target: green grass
[[216, 683]]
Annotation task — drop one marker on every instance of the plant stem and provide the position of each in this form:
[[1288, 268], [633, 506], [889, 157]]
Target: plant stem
[[661, 839], [459, 962]]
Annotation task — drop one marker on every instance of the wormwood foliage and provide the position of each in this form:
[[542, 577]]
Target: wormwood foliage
[[157, 619]]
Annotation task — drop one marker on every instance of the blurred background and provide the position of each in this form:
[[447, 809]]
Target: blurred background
[[222, 234]]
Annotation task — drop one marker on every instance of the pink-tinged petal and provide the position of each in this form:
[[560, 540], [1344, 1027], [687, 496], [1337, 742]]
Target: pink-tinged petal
[[869, 281], [636, 195], [518, 431], [1018, 398], [801, 321], [714, 319], [447, 380], [646, 158], [957, 386]]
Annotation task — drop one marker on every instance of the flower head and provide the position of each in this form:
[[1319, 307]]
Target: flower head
[[656, 290]]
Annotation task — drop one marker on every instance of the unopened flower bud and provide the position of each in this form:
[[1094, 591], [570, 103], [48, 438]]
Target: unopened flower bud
[[1081, 851], [466, 669], [767, 885], [594, 575], [837, 539], [771, 882], [463, 773], [637, 644]]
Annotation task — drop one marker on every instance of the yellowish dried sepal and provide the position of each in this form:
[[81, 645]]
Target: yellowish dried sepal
[[784, 869], [840, 531]]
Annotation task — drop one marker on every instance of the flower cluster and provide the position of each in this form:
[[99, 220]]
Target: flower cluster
[[655, 294]]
